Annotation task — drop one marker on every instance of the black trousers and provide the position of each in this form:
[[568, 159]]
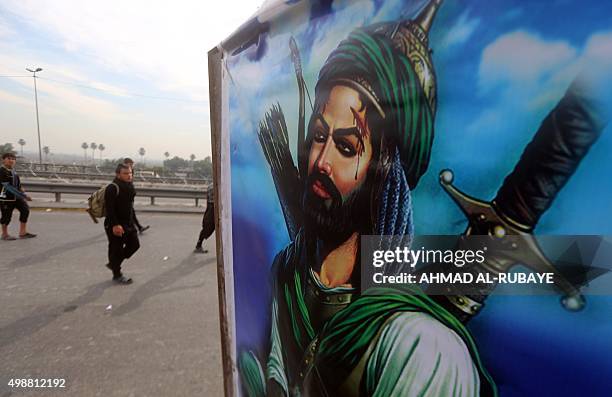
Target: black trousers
[[138, 225], [121, 248], [208, 224], [7, 207]]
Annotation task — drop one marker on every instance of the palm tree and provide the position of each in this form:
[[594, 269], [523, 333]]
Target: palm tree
[[6, 148], [167, 155], [21, 143], [101, 148], [192, 157], [46, 151], [85, 146], [141, 152], [93, 146]]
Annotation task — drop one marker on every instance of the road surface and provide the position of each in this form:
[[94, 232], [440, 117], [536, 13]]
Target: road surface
[[62, 317]]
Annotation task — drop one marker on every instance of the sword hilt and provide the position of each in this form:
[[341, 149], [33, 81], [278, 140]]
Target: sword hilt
[[549, 160], [520, 247]]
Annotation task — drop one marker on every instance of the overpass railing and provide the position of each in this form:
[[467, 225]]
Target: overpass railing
[[87, 189]]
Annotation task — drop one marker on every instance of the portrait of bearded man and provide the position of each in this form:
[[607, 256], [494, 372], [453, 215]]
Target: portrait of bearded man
[[367, 143]]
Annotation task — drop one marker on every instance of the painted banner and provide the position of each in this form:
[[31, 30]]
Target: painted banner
[[335, 120]]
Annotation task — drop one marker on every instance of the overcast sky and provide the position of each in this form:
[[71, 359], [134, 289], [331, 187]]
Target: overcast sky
[[127, 74]]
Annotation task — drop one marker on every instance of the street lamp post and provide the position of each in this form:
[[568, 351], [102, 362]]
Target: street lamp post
[[36, 101]]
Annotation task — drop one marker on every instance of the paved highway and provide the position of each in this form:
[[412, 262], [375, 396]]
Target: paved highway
[[62, 317]]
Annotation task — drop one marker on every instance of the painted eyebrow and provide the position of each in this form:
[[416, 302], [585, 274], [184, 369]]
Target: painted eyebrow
[[342, 132]]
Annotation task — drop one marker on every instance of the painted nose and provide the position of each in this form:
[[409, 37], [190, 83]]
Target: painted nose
[[323, 162]]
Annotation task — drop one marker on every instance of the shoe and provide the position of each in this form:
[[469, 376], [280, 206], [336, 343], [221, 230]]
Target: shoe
[[27, 235], [109, 267], [144, 229], [122, 280], [200, 250], [9, 238]]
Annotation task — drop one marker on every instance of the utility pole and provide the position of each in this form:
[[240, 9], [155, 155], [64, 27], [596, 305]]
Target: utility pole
[[36, 101]]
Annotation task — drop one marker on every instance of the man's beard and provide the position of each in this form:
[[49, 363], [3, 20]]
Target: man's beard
[[334, 223]]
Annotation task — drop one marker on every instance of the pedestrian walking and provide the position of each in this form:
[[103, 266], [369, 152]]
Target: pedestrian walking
[[141, 229], [208, 221], [13, 196], [119, 222]]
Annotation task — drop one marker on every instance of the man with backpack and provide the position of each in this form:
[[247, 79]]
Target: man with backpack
[[119, 222], [141, 229]]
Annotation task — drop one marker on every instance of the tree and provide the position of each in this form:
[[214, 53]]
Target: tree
[[93, 147], [85, 146], [111, 163], [204, 167], [101, 148], [167, 155], [46, 151], [7, 148], [175, 163], [142, 152], [21, 143], [192, 157]]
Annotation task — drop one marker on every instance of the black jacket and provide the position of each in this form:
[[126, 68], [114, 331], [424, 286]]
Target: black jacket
[[10, 177], [119, 207], [210, 195]]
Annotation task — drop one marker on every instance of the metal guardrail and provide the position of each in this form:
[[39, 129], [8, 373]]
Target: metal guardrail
[[90, 176], [97, 169], [69, 188]]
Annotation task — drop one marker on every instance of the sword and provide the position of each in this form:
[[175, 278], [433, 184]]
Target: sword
[[547, 163]]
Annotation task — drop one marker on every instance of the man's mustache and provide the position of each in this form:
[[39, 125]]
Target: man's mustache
[[327, 184]]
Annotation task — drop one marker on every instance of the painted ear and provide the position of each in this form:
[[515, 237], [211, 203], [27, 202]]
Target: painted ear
[[274, 140]]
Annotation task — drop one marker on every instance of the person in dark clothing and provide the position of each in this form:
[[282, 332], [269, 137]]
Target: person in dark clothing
[[119, 223], [208, 221], [141, 229], [12, 196]]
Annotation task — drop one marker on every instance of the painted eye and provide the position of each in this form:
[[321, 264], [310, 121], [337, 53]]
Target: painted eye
[[345, 148], [319, 136]]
